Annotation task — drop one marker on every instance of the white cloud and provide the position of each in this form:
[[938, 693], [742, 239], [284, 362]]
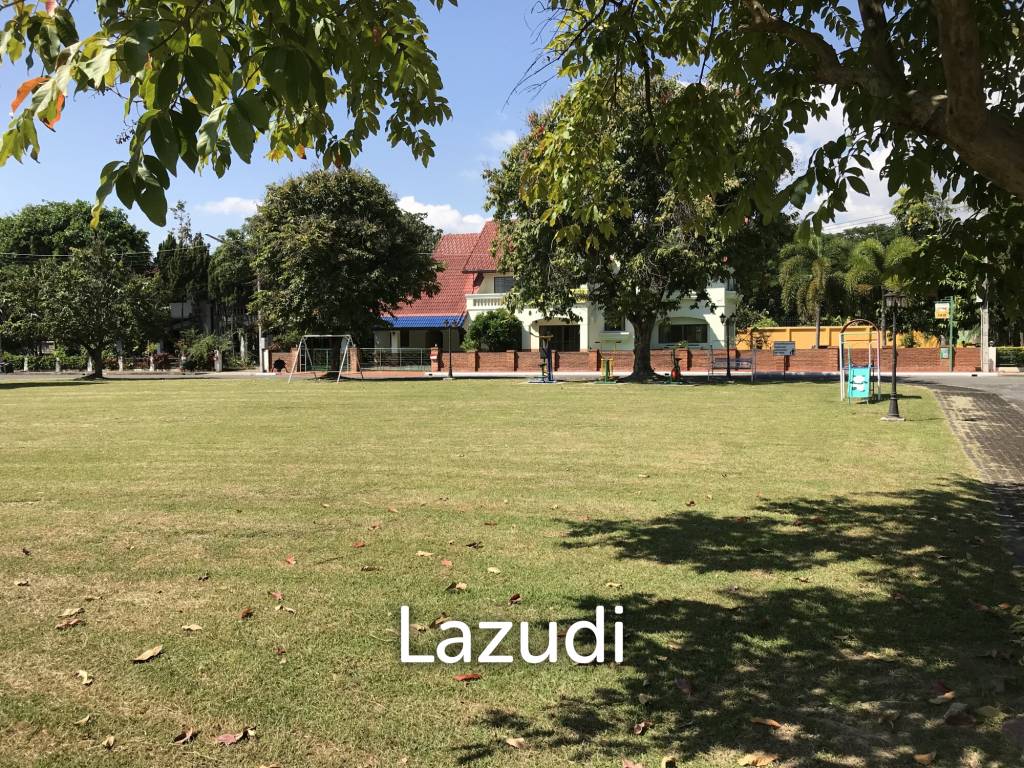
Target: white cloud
[[858, 207], [231, 206], [499, 141], [445, 217]]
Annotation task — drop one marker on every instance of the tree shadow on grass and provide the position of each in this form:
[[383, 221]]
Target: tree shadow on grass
[[11, 384], [846, 660]]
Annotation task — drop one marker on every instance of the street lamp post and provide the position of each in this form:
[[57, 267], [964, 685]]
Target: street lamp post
[[448, 324], [893, 301], [728, 356]]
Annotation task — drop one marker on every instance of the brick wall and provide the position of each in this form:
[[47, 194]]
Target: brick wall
[[914, 359]]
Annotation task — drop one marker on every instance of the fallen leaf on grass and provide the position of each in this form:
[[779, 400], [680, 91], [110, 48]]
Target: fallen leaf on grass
[[284, 608], [108, 743], [957, 715], [925, 758], [420, 627], [227, 739], [641, 728], [475, 545], [191, 628], [23, 583], [84, 676], [422, 553], [447, 563], [766, 721], [69, 612], [148, 655], [467, 677], [247, 613], [392, 510], [325, 505], [204, 577], [279, 596], [375, 525], [457, 586], [684, 685], [492, 569], [613, 585], [944, 698], [359, 544], [669, 761], [645, 698], [26, 551], [516, 742], [186, 737], [439, 621], [290, 560], [643, 475], [516, 599], [68, 624], [758, 759], [85, 720], [627, 763], [370, 568]]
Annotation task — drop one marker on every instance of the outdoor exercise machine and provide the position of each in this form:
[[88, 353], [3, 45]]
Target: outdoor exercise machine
[[323, 355], [547, 369], [860, 381]]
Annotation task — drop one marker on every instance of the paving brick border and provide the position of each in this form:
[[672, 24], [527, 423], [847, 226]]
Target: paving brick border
[[991, 431]]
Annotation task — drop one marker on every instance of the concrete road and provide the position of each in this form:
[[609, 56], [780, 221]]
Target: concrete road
[[1010, 388]]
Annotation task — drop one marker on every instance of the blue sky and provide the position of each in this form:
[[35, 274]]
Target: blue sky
[[483, 47]]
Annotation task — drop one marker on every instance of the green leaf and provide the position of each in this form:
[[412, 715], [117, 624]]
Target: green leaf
[[153, 203], [240, 133], [859, 185], [255, 110], [164, 139], [199, 81], [167, 82]]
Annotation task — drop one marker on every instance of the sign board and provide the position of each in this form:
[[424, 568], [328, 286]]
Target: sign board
[[942, 310], [858, 383], [783, 348]]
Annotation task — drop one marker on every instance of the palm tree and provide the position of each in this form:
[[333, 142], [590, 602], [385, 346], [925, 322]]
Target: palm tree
[[808, 279]]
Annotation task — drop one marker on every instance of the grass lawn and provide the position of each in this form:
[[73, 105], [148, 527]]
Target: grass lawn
[[778, 555]]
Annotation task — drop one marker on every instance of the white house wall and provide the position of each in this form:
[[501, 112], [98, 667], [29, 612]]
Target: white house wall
[[592, 333]]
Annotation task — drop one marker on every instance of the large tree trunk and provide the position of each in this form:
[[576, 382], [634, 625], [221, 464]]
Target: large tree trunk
[[96, 355], [643, 327]]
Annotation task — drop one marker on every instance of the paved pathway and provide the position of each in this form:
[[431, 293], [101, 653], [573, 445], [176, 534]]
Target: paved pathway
[[990, 424]]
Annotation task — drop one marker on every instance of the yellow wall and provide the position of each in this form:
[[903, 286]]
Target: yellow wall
[[803, 335]]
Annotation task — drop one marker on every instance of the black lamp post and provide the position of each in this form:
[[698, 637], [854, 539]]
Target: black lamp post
[[449, 325], [894, 301], [728, 356]]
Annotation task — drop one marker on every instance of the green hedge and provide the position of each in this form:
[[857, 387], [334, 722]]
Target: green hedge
[[1010, 356], [47, 362]]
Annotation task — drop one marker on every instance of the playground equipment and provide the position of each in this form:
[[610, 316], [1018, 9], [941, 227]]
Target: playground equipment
[[860, 381], [547, 370], [323, 355]]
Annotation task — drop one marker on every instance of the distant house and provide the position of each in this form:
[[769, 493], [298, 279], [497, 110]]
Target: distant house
[[472, 284]]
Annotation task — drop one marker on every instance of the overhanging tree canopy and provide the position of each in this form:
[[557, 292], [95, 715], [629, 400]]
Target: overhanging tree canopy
[[201, 81], [935, 85]]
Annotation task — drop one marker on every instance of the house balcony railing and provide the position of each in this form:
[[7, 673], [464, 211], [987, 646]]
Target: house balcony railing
[[485, 301]]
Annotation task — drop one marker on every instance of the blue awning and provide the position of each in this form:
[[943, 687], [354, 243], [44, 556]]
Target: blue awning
[[424, 321]]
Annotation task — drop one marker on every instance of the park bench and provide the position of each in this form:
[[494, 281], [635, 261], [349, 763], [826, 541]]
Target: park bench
[[725, 360]]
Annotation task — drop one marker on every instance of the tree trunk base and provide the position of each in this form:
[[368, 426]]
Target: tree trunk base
[[643, 377]]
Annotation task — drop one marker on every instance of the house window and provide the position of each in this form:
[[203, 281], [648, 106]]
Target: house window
[[564, 338], [503, 283], [614, 321], [677, 333]]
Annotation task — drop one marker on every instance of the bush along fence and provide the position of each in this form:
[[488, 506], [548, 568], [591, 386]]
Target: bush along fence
[[152, 363]]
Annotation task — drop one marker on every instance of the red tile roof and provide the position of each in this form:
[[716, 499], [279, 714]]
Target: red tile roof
[[480, 258], [452, 251]]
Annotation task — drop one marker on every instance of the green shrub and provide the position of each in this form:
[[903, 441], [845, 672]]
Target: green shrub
[[495, 331], [199, 352], [1010, 356]]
